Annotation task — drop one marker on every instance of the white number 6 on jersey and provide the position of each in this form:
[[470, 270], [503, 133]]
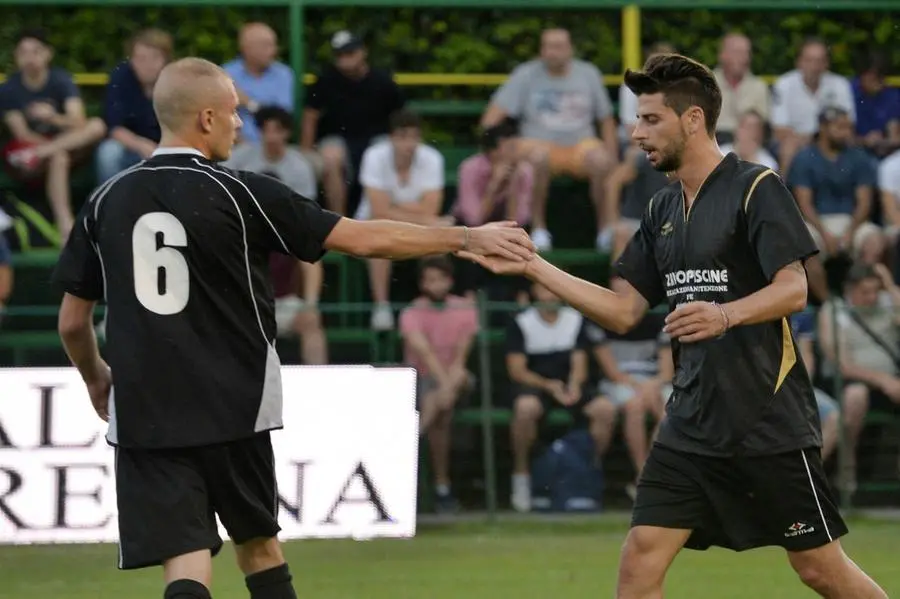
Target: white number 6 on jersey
[[161, 278]]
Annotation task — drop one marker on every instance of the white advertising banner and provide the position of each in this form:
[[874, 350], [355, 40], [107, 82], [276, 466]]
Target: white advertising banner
[[346, 460]]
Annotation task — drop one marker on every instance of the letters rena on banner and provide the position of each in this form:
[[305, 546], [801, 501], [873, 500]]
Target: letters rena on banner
[[346, 461]]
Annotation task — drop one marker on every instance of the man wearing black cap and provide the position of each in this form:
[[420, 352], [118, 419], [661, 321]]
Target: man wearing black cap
[[346, 108]]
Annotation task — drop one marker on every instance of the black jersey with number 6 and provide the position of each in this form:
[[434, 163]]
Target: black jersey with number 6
[[746, 393], [179, 248]]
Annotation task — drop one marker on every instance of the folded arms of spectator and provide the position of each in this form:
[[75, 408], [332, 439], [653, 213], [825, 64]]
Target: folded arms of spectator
[[423, 212]]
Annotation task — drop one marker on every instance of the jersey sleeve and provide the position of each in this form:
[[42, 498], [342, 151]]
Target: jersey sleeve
[[79, 271], [290, 223], [637, 265], [776, 230], [515, 339]]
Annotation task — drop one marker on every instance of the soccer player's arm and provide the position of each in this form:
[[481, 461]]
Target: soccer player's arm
[[411, 330], [620, 310], [79, 275], [782, 244]]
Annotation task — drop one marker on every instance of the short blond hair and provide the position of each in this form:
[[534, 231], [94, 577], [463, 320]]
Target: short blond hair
[[153, 38]]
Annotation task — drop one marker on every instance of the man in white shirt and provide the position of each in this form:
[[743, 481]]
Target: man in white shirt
[[402, 179], [742, 91], [748, 141], [799, 96]]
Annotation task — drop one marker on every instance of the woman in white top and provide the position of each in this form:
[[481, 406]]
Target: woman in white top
[[402, 179]]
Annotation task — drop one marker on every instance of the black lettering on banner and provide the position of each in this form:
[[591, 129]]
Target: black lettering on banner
[[371, 496], [47, 422], [296, 511], [63, 495], [15, 483]]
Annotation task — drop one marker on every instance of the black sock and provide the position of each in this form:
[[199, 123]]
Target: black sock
[[186, 589], [274, 583]]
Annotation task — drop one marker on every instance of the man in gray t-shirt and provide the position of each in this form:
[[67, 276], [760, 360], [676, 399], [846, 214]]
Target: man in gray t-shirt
[[561, 104], [295, 308]]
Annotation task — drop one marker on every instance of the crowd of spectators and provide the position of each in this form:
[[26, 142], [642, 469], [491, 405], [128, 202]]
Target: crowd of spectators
[[834, 140]]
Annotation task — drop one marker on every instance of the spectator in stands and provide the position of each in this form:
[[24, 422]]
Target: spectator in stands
[[629, 188], [547, 362], [492, 184], [260, 79], [403, 179], [628, 103], [43, 110], [637, 372], [129, 115], [438, 330], [295, 313], [877, 107], [562, 104], [889, 186], [833, 183], [867, 334], [742, 91], [749, 141], [347, 109], [855, 402], [800, 95]]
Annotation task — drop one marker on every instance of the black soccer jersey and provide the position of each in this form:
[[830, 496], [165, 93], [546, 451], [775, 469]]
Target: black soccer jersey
[[746, 393], [179, 247]]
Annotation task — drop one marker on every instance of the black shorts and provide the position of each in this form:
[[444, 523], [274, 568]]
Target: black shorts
[[549, 403], [742, 502], [168, 499]]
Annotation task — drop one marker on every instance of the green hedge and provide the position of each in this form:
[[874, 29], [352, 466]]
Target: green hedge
[[457, 41]]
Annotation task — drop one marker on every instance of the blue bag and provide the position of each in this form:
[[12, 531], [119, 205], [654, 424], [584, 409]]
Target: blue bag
[[566, 478]]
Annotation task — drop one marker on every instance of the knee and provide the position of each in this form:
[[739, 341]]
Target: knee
[[599, 162], [333, 157], [637, 565], [97, 127], [856, 401], [527, 408], [636, 407], [539, 159], [60, 159], [601, 410], [820, 568]]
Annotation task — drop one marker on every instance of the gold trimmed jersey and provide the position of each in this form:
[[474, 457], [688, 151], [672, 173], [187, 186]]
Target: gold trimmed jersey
[[179, 247], [747, 392]]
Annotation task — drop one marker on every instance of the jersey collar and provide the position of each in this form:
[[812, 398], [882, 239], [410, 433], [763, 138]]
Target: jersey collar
[[179, 150]]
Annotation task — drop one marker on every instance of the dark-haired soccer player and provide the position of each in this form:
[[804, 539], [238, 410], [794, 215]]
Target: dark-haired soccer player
[[737, 461], [179, 248]]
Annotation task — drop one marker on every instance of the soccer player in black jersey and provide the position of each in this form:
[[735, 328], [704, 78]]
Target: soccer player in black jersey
[[737, 461], [179, 248]]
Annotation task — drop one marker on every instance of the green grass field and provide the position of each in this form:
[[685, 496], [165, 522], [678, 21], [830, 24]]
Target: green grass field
[[516, 559]]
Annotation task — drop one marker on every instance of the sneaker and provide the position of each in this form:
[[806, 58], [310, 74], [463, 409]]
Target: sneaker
[[445, 503], [542, 239], [521, 493], [382, 318]]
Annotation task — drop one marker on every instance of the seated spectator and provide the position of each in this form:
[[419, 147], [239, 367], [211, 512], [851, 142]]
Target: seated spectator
[[855, 401], [742, 91], [403, 179], [889, 187], [833, 183], [297, 284], [629, 188], [130, 119], [637, 377], [438, 330], [547, 363], [347, 109], [562, 104], [492, 185], [628, 103], [877, 108], [749, 140], [43, 110], [867, 334], [799, 96], [260, 79]]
